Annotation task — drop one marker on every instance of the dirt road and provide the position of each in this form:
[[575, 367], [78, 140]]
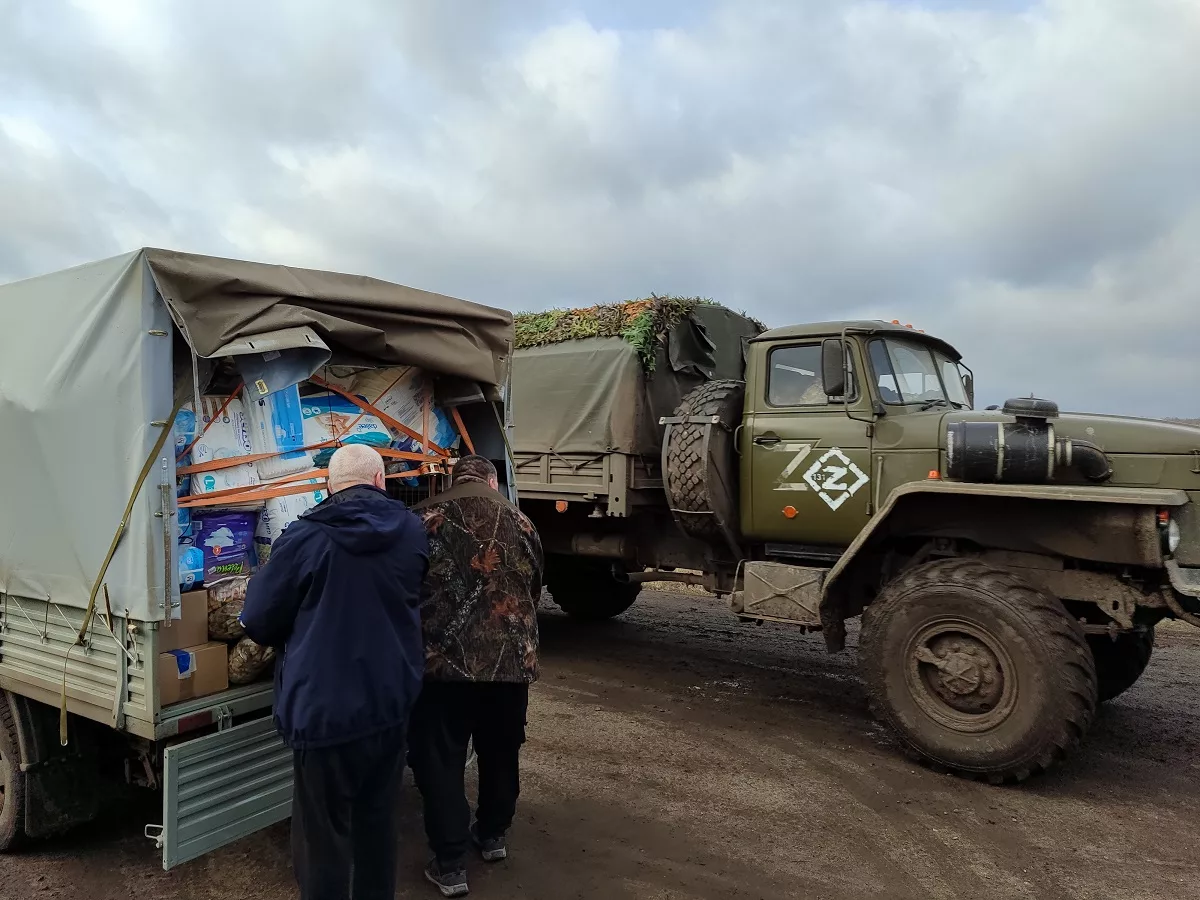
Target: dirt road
[[675, 753]]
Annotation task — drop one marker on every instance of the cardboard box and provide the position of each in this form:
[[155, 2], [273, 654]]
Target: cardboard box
[[192, 672], [189, 631]]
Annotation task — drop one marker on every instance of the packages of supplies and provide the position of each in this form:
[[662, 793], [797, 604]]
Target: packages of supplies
[[403, 394], [280, 512], [190, 629], [226, 438], [183, 523], [249, 661], [184, 429], [191, 672], [277, 426], [191, 565], [329, 416], [226, 599], [227, 539]]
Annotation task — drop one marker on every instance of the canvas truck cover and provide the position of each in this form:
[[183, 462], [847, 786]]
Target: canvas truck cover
[[598, 395], [86, 383]]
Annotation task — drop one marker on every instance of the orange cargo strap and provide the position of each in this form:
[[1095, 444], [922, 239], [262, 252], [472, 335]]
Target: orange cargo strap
[[381, 415], [299, 484], [462, 429], [220, 412]]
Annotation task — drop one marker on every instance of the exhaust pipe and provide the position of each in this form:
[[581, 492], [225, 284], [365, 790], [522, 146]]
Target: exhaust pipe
[[1026, 451]]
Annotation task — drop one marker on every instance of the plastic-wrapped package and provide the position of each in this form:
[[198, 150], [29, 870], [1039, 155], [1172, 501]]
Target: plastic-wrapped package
[[402, 394], [227, 539], [225, 438], [328, 415], [276, 425], [184, 429], [226, 599], [191, 567], [280, 512], [249, 661]]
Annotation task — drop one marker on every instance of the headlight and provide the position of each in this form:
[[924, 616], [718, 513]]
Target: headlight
[[1168, 530]]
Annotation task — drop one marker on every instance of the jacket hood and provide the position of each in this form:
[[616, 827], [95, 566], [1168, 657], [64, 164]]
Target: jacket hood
[[361, 520]]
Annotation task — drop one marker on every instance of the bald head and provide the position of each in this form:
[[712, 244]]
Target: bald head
[[355, 464]]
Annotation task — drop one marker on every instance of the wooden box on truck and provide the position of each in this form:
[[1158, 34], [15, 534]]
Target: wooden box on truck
[[95, 362]]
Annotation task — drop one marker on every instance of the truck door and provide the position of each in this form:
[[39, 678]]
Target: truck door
[[809, 461]]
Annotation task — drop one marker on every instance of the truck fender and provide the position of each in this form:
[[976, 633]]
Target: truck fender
[[1105, 524]]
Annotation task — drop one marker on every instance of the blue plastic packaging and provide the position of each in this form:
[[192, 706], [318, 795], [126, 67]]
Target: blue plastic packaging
[[227, 540], [191, 567]]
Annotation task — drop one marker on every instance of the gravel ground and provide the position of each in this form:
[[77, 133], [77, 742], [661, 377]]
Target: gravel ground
[[675, 753]]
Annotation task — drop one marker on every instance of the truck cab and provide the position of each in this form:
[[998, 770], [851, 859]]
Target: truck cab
[[815, 465]]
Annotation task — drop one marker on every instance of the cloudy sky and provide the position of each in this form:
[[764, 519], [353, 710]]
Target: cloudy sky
[[1021, 177]]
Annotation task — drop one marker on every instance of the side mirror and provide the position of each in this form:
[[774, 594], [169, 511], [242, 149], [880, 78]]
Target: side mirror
[[969, 388], [833, 367]]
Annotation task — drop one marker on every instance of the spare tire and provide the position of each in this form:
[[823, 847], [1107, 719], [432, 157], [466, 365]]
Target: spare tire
[[700, 473]]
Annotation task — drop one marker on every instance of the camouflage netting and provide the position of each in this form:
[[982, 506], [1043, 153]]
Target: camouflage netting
[[640, 322]]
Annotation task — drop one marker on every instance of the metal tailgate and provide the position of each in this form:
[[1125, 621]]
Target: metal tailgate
[[222, 787]]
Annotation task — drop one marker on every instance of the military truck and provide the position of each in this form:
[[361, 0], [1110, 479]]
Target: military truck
[[1008, 565]]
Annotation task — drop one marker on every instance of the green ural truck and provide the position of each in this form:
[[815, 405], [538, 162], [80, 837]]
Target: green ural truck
[[1009, 565]]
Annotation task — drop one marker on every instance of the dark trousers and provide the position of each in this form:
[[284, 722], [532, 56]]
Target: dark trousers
[[345, 820], [448, 715]]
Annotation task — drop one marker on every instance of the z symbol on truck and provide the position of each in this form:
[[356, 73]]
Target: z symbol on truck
[[835, 478]]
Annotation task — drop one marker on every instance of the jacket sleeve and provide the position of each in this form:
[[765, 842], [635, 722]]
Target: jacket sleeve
[[537, 559], [274, 594]]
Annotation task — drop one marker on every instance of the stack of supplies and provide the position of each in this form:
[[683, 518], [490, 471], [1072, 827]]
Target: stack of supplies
[[249, 466]]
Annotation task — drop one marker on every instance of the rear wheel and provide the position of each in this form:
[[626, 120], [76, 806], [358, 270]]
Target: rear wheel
[[977, 671], [12, 781], [587, 588], [1120, 660]]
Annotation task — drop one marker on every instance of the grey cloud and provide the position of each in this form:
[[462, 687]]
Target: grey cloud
[[1021, 179]]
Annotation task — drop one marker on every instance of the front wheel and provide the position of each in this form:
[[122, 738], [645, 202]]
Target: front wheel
[[977, 671], [587, 588]]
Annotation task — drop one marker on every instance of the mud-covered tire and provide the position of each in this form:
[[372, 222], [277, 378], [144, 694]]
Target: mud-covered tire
[[12, 781], [976, 671], [586, 588], [1120, 661], [702, 486]]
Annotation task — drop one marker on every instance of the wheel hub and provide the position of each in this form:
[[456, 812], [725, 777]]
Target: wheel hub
[[960, 675]]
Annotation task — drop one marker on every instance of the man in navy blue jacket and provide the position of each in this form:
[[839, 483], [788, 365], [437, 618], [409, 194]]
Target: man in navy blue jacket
[[340, 599]]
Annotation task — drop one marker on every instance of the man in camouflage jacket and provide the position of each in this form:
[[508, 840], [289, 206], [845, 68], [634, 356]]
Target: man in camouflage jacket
[[479, 618]]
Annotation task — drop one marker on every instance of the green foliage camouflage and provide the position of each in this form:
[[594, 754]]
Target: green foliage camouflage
[[640, 322]]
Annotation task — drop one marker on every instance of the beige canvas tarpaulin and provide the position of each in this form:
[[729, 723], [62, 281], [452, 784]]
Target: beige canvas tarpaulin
[[363, 321], [86, 381], [595, 396]]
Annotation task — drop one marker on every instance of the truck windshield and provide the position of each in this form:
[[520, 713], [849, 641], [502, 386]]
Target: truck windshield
[[911, 372]]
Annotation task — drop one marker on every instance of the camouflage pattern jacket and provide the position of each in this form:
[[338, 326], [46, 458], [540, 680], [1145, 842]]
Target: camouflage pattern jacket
[[479, 606]]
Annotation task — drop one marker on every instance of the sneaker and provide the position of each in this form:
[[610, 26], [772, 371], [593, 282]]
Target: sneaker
[[491, 849], [451, 884]]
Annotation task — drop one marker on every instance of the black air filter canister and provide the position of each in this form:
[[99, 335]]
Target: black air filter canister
[[1021, 452]]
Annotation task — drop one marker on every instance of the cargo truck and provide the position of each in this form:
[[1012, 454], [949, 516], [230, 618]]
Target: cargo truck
[[1008, 566], [95, 362]]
